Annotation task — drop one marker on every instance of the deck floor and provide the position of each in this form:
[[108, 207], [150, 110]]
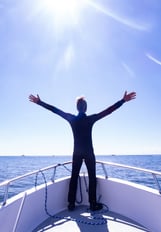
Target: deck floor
[[83, 220]]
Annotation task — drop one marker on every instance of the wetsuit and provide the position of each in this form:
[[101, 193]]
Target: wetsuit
[[81, 125]]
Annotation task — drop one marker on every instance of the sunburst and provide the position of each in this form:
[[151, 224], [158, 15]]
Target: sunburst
[[62, 13]]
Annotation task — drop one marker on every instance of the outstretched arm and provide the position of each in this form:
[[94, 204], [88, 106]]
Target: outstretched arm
[[37, 100], [109, 110]]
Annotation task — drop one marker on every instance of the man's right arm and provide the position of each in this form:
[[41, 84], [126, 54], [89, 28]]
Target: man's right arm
[[37, 100], [52, 109]]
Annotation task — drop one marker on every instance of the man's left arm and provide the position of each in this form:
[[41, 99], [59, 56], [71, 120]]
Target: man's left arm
[[126, 97]]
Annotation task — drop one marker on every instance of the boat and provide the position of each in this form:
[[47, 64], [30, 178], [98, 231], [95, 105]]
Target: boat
[[127, 206]]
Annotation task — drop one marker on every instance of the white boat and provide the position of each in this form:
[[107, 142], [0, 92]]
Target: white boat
[[128, 206]]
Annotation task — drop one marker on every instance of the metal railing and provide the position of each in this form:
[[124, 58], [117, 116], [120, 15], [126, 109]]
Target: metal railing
[[153, 173], [6, 184]]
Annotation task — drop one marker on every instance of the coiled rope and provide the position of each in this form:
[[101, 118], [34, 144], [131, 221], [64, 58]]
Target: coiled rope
[[94, 219]]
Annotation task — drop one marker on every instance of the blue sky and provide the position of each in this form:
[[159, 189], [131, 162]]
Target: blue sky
[[97, 49]]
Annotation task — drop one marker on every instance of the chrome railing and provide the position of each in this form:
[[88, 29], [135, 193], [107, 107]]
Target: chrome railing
[[153, 173], [7, 183]]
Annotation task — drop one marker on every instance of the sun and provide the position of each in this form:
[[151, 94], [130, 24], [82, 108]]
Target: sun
[[63, 13]]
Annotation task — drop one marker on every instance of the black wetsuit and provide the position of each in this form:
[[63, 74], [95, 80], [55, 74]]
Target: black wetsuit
[[81, 125]]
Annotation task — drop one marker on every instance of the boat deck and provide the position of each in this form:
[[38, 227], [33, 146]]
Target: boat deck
[[83, 220]]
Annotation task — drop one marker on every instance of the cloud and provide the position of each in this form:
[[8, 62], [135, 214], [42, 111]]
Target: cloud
[[66, 59], [128, 69], [120, 19], [68, 56], [153, 59]]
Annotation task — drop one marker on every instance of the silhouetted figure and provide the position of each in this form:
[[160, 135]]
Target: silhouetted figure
[[81, 125]]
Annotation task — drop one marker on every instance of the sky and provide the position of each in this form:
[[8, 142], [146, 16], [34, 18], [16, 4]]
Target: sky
[[68, 48]]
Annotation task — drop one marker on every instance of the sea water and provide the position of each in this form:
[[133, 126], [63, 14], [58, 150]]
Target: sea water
[[13, 166]]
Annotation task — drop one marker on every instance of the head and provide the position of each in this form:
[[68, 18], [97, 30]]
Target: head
[[81, 105]]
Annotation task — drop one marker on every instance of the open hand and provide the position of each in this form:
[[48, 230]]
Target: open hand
[[129, 96], [34, 99]]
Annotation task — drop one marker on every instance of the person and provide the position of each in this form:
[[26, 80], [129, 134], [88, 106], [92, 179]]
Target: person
[[81, 125]]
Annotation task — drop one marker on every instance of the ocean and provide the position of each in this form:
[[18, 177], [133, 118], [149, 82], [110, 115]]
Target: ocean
[[13, 166]]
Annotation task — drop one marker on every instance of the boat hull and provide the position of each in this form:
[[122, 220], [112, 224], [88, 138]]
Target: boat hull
[[26, 211]]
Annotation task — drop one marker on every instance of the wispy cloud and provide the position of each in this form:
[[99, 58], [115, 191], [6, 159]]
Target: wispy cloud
[[66, 59], [153, 59], [120, 19], [128, 69]]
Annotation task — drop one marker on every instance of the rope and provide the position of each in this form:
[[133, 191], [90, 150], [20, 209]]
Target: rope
[[94, 219], [46, 193]]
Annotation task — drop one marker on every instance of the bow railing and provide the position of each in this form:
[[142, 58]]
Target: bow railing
[[107, 170]]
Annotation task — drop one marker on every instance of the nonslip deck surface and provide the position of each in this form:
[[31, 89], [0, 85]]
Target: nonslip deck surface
[[83, 220]]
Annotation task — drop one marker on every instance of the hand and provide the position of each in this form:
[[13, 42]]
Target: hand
[[34, 99], [130, 96]]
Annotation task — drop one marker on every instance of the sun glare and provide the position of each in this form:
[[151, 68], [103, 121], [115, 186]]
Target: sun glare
[[63, 12]]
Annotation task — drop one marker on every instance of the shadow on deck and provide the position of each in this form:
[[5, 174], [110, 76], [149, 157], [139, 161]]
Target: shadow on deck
[[83, 220]]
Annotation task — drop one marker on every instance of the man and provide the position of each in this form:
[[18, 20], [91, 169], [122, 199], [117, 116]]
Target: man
[[81, 125]]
